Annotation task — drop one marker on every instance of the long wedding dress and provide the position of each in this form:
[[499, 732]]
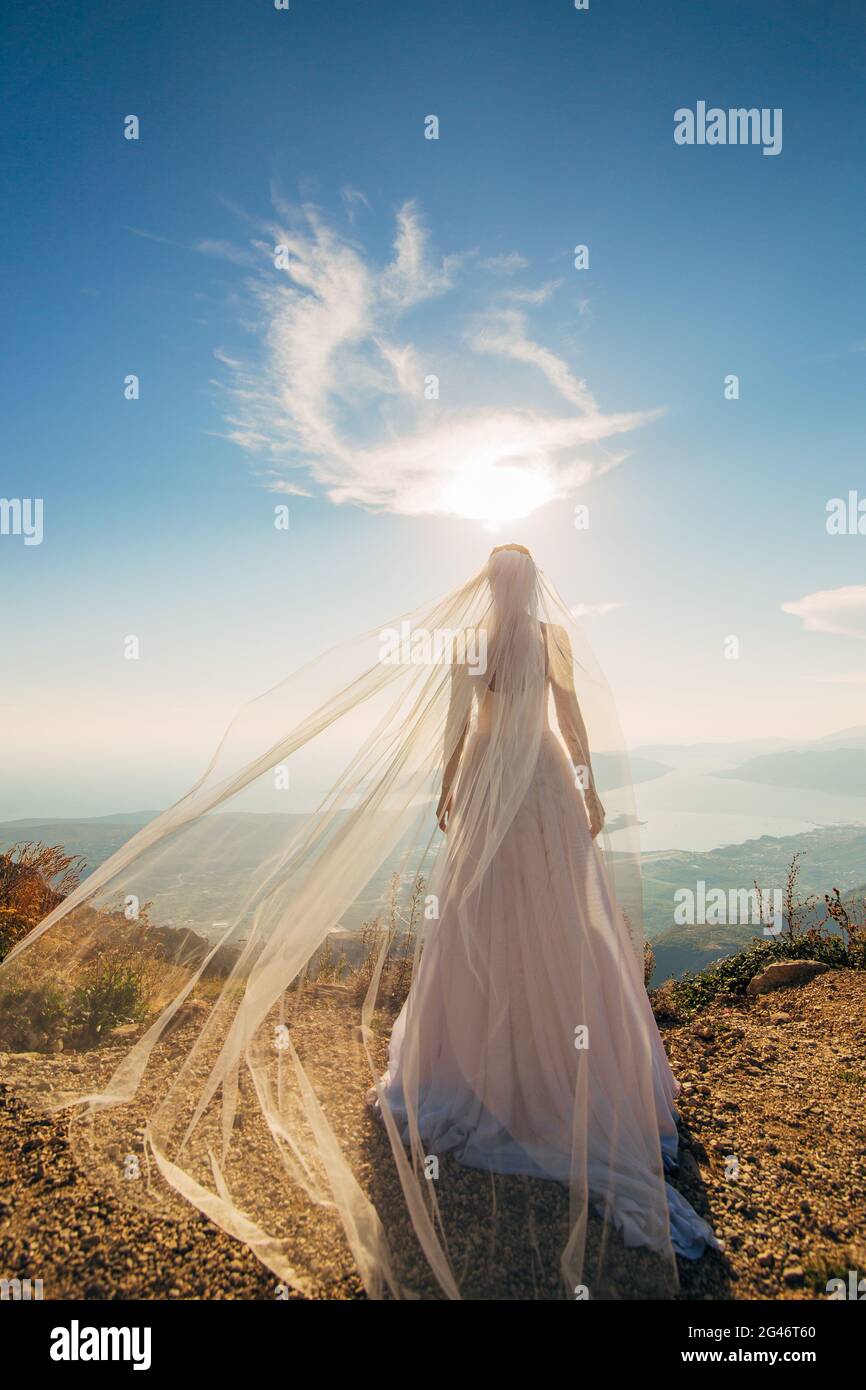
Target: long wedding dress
[[544, 983]]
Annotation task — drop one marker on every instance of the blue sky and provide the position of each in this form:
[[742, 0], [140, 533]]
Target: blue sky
[[556, 128]]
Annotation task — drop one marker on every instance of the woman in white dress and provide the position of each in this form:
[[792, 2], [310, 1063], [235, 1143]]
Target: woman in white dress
[[530, 1029]]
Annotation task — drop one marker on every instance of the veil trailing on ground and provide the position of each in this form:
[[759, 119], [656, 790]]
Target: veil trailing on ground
[[215, 1001]]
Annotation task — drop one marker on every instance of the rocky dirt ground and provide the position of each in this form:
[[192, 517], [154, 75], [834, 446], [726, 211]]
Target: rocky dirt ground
[[774, 1154], [774, 1137]]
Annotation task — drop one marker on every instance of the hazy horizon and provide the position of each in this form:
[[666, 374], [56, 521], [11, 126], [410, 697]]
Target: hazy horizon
[[695, 801]]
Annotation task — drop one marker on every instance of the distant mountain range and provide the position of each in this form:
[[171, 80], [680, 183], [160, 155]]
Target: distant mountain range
[[607, 769], [94, 838], [688, 754], [839, 770], [831, 855]]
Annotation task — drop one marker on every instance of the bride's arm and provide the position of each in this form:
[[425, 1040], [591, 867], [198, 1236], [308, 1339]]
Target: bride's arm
[[456, 726], [570, 720]]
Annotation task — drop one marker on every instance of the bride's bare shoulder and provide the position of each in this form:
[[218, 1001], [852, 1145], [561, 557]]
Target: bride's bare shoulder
[[557, 636]]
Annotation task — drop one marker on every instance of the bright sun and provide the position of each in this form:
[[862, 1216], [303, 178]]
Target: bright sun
[[485, 492]]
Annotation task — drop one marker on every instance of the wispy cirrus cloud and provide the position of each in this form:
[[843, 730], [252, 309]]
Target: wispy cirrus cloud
[[595, 610], [841, 612], [225, 251], [505, 335], [412, 277], [536, 296], [353, 198], [506, 264], [341, 393]]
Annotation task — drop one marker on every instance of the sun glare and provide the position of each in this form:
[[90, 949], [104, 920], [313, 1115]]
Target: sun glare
[[485, 492]]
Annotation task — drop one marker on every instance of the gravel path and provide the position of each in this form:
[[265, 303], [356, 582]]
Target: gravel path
[[777, 1084]]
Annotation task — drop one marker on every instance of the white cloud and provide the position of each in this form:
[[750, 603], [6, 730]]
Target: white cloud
[[352, 198], [406, 365], [292, 489], [838, 611], [595, 610], [505, 334], [222, 356], [538, 296], [225, 251], [411, 277], [152, 236], [336, 393], [506, 265]]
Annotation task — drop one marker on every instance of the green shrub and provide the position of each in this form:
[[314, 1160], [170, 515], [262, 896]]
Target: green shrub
[[112, 990], [32, 1016], [728, 979]]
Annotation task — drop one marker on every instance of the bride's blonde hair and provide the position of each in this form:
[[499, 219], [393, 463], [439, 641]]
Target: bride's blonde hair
[[512, 577]]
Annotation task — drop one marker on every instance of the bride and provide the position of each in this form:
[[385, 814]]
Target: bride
[[524, 1106], [527, 1043]]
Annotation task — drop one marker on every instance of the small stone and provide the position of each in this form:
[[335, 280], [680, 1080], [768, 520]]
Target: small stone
[[783, 973]]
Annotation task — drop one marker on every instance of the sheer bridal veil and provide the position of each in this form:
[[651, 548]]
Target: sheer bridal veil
[[215, 1001]]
